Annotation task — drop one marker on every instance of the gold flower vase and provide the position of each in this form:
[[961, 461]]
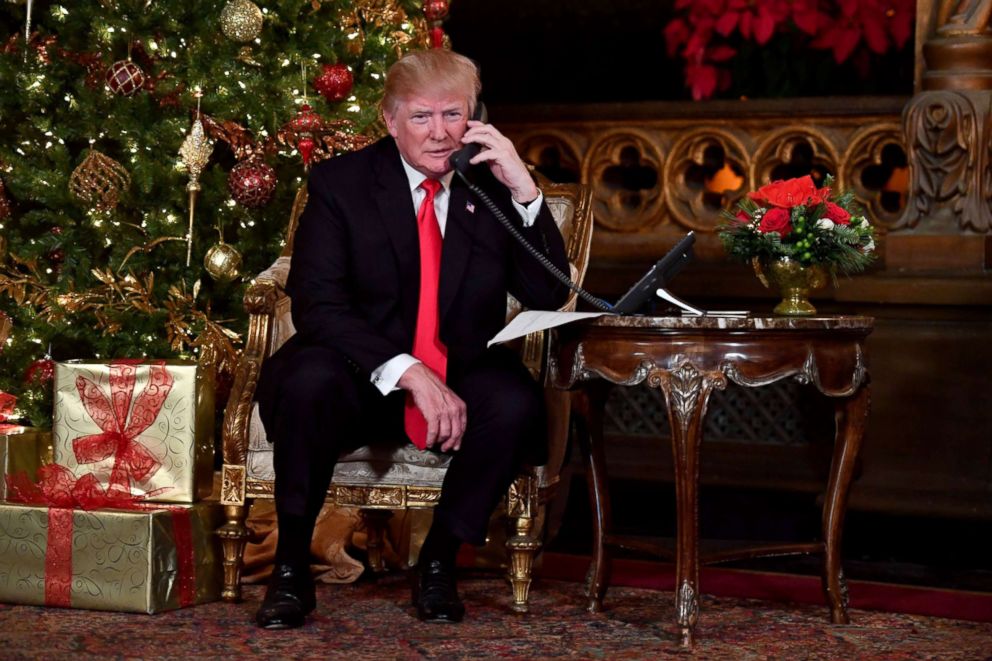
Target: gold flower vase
[[794, 281]]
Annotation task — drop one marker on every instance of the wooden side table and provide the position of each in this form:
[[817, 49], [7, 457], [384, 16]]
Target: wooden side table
[[686, 358]]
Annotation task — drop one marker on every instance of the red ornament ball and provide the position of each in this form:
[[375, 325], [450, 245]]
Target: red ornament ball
[[56, 256], [125, 78], [252, 183], [306, 120], [334, 83], [436, 10], [56, 230], [4, 203], [40, 372]]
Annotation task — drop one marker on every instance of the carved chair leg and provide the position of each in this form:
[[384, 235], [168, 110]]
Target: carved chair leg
[[522, 548], [233, 537], [375, 527]]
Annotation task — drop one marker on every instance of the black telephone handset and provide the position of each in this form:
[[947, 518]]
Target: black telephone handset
[[664, 270], [460, 159], [461, 165]]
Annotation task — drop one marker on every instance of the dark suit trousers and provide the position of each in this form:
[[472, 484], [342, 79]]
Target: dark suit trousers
[[323, 407]]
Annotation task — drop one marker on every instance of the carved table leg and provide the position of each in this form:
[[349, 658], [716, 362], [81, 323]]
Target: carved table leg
[[589, 404], [233, 537], [851, 415], [687, 392]]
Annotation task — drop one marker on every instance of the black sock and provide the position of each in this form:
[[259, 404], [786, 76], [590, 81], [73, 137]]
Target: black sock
[[295, 533], [441, 544]]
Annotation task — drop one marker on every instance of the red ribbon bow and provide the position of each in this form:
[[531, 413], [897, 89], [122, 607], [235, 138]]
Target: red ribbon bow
[[7, 404], [131, 459]]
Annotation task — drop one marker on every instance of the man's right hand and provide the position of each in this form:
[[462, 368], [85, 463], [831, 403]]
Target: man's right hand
[[444, 411]]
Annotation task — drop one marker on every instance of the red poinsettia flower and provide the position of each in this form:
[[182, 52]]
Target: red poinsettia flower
[[790, 193], [880, 23], [841, 27], [776, 220], [757, 19], [807, 16]]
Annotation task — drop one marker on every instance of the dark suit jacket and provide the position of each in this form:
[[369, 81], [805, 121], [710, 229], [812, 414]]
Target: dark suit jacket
[[355, 274]]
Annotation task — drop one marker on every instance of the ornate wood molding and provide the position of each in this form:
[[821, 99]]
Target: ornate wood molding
[[232, 491], [948, 134], [659, 169], [626, 165]]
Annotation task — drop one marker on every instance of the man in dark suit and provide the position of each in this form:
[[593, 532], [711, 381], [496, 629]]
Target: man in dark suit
[[399, 278]]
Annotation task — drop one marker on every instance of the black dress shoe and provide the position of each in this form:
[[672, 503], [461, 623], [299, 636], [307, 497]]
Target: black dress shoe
[[288, 600], [435, 594]]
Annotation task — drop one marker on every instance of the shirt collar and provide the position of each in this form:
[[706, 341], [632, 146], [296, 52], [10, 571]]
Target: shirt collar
[[415, 178]]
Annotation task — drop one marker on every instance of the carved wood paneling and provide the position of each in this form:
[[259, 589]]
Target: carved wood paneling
[[626, 167], [948, 135], [695, 158], [873, 157], [555, 153], [792, 152], [652, 167]]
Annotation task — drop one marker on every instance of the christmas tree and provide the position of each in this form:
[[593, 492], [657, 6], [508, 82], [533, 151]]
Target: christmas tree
[[118, 116]]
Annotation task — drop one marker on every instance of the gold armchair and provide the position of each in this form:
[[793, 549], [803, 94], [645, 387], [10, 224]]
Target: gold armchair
[[379, 480]]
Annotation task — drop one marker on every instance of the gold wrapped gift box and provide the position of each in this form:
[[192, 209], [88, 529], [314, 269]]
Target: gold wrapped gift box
[[23, 450], [121, 560], [150, 421]]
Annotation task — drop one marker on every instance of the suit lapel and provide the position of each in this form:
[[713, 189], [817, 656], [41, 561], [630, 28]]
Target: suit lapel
[[400, 220], [459, 233]]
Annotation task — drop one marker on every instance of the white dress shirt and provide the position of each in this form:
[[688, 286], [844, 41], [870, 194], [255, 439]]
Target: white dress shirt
[[388, 374]]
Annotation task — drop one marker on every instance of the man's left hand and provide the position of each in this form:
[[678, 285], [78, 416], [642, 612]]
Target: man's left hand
[[503, 160]]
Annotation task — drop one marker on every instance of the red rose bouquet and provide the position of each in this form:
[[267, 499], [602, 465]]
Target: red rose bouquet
[[795, 220]]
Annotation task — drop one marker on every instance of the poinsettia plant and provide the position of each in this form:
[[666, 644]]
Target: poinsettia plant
[[796, 220], [708, 34]]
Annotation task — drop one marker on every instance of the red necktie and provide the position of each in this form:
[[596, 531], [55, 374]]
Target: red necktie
[[427, 345]]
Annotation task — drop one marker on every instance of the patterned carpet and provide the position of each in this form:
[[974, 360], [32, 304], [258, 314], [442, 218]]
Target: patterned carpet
[[373, 620]]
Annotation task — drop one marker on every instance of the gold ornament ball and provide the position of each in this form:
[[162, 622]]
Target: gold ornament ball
[[223, 262], [99, 181], [241, 20]]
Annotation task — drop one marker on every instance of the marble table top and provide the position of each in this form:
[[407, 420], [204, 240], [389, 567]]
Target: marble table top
[[736, 323]]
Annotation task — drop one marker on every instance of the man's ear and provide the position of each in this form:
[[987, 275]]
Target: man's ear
[[390, 119]]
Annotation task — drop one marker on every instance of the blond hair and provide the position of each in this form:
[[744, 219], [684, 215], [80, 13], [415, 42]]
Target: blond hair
[[436, 71]]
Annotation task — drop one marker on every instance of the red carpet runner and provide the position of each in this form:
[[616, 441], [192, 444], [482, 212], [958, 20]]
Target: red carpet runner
[[868, 595]]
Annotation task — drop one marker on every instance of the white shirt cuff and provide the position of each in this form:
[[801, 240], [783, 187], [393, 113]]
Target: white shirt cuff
[[386, 375], [529, 213]]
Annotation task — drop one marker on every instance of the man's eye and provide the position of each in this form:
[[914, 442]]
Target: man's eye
[[454, 115], [420, 119]]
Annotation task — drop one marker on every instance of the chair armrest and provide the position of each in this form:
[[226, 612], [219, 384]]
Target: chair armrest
[[260, 302], [262, 295]]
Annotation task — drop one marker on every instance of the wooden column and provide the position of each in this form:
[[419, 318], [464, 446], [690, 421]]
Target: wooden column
[[948, 134]]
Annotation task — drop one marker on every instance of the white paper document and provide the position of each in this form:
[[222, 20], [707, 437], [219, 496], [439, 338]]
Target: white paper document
[[532, 321]]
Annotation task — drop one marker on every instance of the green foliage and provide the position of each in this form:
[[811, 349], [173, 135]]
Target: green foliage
[[52, 112]]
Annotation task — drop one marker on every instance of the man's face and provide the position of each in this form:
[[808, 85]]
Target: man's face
[[428, 129]]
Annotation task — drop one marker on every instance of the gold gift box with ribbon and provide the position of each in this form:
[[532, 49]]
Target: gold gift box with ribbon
[[146, 427], [140, 561], [22, 451]]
